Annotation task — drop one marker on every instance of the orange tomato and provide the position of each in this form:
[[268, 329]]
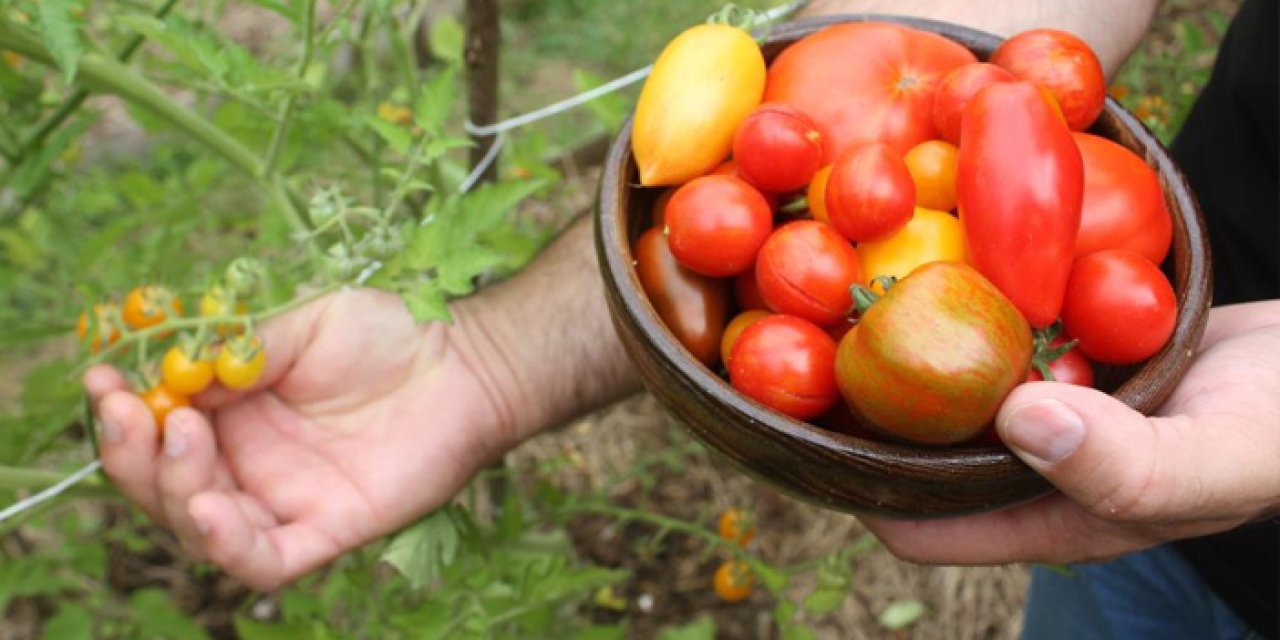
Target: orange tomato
[[184, 373], [733, 581], [162, 400], [737, 526], [932, 165], [148, 306], [817, 194], [103, 324]]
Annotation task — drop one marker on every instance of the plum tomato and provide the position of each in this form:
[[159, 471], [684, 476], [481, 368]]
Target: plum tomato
[[932, 165], [778, 148], [1124, 207], [693, 306], [787, 364], [734, 330], [931, 236], [716, 224], [1120, 307], [954, 93], [805, 269], [870, 193], [1062, 63]]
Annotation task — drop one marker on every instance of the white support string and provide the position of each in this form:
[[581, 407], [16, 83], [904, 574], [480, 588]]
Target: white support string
[[51, 492]]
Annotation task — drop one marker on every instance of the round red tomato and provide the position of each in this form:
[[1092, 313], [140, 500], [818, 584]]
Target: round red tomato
[[778, 148], [787, 364], [716, 224], [954, 93], [694, 307], [805, 269], [1061, 63], [1124, 206], [865, 82], [870, 193], [1119, 306], [1071, 367]]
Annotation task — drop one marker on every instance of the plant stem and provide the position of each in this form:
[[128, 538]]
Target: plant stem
[[290, 102], [12, 478]]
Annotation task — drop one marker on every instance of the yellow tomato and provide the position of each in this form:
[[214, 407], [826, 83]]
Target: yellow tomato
[[704, 84], [930, 236], [932, 165]]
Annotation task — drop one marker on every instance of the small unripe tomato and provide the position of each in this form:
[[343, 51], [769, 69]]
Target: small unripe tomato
[[778, 148], [216, 302], [733, 581], [870, 194], [736, 526], [184, 372], [240, 363], [148, 306], [162, 400]]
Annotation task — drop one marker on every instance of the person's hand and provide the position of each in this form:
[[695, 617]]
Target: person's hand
[[1206, 463], [362, 422]]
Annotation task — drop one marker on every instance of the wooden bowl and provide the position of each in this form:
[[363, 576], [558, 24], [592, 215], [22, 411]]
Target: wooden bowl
[[843, 472]]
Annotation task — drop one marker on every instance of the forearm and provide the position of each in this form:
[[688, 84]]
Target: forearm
[[1112, 28], [546, 339]]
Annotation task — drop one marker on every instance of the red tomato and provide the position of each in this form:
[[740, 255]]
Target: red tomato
[[734, 330], [870, 193], [933, 358], [1020, 184], [865, 82], [1124, 207], [805, 269], [731, 168], [787, 364], [778, 148], [716, 224], [1061, 63], [694, 307], [1119, 306], [1072, 367], [955, 91], [746, 292]]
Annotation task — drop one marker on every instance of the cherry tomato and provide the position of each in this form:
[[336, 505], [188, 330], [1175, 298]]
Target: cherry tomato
[[1020, 184], [778, 148], [1124, 207], [240, 363], [932, 165], [1119, 306], [184, 373], [217, 302], [1061, 63], [737, 526], [746, 292], [103, 323], [716, 224], [787, 364], [1070, 367], [734, 581], [162, 400], [149, 306], [817, 194], [870, 193], [805, 269], [933, 358], [865, 82], [734, 331], [929, 237], [955, 91], [693, 306], [731, 168]]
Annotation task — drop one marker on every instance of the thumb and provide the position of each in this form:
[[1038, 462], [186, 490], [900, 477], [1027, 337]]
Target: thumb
[[1103, 455]]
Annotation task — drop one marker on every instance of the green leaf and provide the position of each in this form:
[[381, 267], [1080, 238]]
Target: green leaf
[[435, 101], [427, 303], [824, 601], [702, 628], [421, 551], [71, 622], [447, 39], [61, 32], [610, 109], [901, 614], [250, 629], [797, 631], [157, 617], [396, 136]]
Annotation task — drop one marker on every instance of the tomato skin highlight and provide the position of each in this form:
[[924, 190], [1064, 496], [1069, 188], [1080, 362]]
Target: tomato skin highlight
[[932, 360], [693, 306], [184, 374], [864, 82], [1020, 183], [787, 364], [1062, 63], [870, 193], [955, 91], [716, 225], [805, 269], [1124, 206], [703, 85], [778, 148], [1120, 307]]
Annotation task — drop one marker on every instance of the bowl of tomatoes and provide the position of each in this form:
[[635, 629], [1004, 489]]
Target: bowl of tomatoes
[[832, 254]]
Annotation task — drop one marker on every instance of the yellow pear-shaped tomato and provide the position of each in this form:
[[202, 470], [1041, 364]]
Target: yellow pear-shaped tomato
[[930, 236], [704, 84]]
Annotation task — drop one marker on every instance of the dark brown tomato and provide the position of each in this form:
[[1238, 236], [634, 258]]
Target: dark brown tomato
[[694, 307]]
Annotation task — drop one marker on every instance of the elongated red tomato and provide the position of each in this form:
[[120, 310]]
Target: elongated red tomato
[[1124, 206], [1020, 184], [716, 224], [694, 307], [805, 269], [787, 364], [865, 82]]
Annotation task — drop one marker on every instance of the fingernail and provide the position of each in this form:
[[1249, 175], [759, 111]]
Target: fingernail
[[1046, 430], [110, 431], [175, 438], [201, 526]]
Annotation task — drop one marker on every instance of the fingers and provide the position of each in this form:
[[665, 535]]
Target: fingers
[[102, 379], [187, 466], [128, 445], [1235, 319], [238, 536]]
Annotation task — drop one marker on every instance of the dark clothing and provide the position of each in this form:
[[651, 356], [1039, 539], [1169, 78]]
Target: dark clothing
[[1229, 152]]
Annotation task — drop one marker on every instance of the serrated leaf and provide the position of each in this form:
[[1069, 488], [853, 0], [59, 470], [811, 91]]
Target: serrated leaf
[[423, 550], [458, 271], [435, 100], [71, 622], [702, 628], [901, 614], [447, 39], [824, 601], [61, 33], [427, 303]]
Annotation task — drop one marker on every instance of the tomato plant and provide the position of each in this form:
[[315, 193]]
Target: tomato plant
[[870, 193], [955, 91], [1123, 205], [716, 224], [805, 269], [778, 148], [787, 364], [1119, 306], [693, 306], [1062, 63]]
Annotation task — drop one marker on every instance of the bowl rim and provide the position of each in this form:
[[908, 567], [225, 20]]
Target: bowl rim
[[1192, 285]]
